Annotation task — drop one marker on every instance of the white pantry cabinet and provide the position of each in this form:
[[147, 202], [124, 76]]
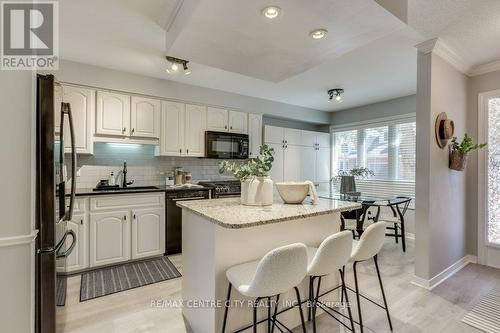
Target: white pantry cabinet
[[78, 259], [222, 120], [148, 232], [276, 172], [182, 129], [254, 133], [145, 117], [217, 119], [113, 114], [82, 105], [109, 237]]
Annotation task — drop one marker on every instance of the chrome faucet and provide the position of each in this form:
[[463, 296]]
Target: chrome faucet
[[124, 176]]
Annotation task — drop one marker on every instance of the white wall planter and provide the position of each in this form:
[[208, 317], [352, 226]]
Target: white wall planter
[[257, 191]]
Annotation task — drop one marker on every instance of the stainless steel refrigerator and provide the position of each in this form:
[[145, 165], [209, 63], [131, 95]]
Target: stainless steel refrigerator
[[53, 206]]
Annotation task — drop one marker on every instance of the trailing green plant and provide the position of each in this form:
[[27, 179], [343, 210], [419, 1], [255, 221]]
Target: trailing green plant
[[255, 167], [358, 173], [466, 145]]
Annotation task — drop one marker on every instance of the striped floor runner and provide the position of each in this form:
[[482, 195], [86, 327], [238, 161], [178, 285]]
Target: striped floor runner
[[60, 290], [114, 279], [486, 314]]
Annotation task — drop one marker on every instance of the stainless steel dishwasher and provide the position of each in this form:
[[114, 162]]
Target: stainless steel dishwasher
[[173, 230]]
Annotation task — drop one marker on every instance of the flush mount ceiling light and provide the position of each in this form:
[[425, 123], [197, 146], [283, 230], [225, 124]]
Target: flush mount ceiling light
[[318, 33], [174, 64], [271, 12], [337, 92]]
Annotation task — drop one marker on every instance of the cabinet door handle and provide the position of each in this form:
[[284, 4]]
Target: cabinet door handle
[[134, 216], [133, 130], [187, 151], [81, 222], [225, 126], [231, 127], [124, 129], [125, 218], [180, 150]]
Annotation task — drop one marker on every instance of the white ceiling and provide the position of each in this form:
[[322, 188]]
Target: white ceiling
[[375, 60]]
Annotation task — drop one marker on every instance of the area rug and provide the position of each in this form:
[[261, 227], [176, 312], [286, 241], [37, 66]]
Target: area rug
[[118, 278], [486, 314], [61, 290]]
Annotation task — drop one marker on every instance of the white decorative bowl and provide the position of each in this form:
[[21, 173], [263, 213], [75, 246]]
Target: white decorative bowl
[[293, 192]]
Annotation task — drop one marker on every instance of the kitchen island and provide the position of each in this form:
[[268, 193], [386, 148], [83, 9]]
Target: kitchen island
[[218, 234]]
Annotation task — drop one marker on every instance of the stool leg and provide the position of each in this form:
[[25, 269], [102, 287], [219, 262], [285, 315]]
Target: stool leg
[[269, 315], [344, 292], [357, 296], [275, 313], [343, 274], [383, 293], [310, 301], [226, 308], [315, 304], [300, 309], [403, 235], [255, 315]]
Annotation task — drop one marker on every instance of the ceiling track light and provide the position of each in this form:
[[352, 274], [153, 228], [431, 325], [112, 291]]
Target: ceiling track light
[[175, 63], [337, 93]]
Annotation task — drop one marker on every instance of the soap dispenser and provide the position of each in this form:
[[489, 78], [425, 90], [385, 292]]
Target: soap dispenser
[[111, 180]]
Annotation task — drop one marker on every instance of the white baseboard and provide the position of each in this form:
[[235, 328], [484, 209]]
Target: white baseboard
[[445, 274]]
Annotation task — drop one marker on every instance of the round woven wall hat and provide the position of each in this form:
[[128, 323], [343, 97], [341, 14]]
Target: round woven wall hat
[[444, 129]]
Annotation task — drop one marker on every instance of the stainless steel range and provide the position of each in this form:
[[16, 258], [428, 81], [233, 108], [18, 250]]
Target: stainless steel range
[[224, 188]]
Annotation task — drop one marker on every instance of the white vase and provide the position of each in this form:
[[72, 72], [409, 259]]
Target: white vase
[[257, 191]]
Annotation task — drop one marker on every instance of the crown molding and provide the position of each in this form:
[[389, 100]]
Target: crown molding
[[438, 47], [485, 68]]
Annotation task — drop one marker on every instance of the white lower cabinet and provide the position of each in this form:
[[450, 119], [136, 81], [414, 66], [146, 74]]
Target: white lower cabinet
[[148, 232], [109, 237], [78, 259]]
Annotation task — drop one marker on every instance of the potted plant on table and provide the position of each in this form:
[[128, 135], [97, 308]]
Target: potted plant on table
[[256, 185], [459, 151], [347, 178]]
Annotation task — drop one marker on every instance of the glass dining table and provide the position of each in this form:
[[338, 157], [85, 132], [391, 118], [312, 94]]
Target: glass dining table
[[397, 204]]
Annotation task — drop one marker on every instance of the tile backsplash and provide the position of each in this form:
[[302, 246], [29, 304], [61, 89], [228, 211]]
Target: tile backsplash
[[143, 166]]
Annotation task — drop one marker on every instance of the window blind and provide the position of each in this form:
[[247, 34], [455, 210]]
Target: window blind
[[388, 150]]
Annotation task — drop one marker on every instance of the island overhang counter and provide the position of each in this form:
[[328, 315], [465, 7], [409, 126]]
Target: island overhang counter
[[220, 233]]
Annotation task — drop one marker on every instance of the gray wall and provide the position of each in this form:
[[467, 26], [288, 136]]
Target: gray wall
[[393, 107], [273, 121], [477, 84], [16, 203], [79, 73], [441, 220]]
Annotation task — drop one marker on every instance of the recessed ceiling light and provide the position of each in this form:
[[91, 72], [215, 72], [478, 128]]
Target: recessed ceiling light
[[318, 33], [271, 12]]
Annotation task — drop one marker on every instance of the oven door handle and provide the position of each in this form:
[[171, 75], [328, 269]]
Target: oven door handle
[[187, 199]]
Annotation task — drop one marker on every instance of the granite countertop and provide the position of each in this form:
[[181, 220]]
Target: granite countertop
[[80, 192], [230, 213]]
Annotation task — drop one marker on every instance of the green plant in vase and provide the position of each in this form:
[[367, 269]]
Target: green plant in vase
[[459, 151]]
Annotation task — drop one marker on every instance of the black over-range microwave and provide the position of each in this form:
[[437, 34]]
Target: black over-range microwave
[[226, 145]]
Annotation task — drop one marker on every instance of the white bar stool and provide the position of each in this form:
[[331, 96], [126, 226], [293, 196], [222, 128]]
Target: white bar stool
[[368, 246], [277, 272], [330, 258]]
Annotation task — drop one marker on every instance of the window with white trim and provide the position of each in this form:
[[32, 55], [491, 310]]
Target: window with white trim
[[388, 149]]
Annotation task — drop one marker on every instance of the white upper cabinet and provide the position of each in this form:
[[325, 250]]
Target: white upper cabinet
[[145, 117], [274, 134], [293, 136], [113, 114], [323, 140], [82, 106], [255, 133], [238, 122], [309, 138], [217, 119], [172, 128], [194, 138]]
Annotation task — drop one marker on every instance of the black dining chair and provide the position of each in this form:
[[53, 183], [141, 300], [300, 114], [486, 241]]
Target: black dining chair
[[396, 222]]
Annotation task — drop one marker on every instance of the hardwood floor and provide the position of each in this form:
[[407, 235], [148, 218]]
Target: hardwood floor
[[413, 309]]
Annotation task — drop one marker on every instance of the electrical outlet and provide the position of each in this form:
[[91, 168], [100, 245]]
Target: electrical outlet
[[78, 173]]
